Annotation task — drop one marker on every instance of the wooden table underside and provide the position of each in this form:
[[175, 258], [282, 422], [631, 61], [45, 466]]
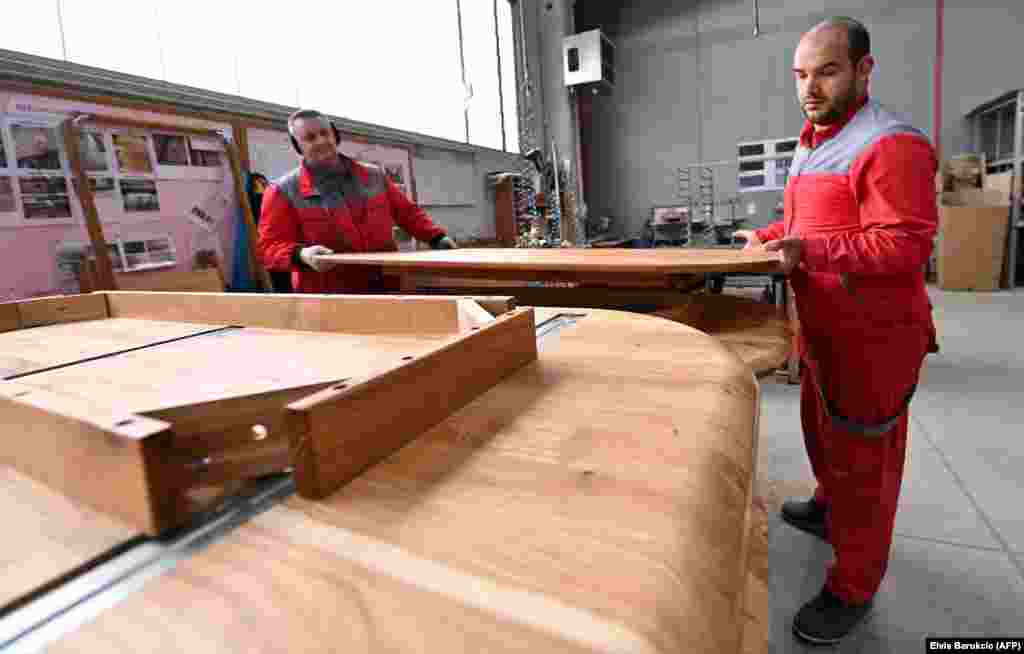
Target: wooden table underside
[[596, 500]]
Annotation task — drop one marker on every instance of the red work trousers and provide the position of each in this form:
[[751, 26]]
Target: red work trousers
[[859, 474]]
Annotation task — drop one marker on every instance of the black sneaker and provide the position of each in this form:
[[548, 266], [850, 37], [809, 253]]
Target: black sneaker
[[826, 619], [807, 516]]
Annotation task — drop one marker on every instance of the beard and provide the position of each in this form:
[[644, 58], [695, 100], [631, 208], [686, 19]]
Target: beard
[[832, 110]]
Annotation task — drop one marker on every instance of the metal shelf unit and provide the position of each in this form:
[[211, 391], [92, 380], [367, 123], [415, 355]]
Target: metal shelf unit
[[997, 131]]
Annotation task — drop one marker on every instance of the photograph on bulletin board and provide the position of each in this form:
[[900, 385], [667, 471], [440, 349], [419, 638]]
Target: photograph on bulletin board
[[132, 154], [7, 204], [139, 195], [36, 147], [45, 197], [102, 186], [204, 152], [171, 150], [93, 151]]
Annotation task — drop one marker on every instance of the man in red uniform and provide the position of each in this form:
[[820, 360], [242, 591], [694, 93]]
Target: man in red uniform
[[860, 219], [329, 204]]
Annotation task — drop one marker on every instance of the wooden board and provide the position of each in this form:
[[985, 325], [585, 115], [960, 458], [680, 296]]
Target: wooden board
[[47, 535], [61, 309], [26, 350], [132, 432], [231, 363], [352, 314], [662, 261], [594, 501], [343, 430], [754, 330], [204, 280]]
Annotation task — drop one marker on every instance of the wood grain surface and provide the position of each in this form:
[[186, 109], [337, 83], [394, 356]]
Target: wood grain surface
[[25, 350], [662, 261], [350, 314], [595, 501], [47, 535], [754, 330]]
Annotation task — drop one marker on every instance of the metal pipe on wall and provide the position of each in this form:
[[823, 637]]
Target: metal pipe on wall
[[757, 20]]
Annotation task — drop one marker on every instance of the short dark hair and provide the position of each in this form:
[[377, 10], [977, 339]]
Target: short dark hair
[[857, 36], [303, 113]]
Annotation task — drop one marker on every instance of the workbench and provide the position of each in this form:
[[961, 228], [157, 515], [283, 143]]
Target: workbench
[[592, 495]]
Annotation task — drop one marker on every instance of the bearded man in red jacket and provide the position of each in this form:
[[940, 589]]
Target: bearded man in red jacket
[[330, 204], [860, 219]]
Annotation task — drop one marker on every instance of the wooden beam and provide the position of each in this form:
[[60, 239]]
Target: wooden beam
[[61, 309], [349, 427], [104, 279], [10, 317], [353, 314], [141, 105], [259, 272], [241, 136], [129, 123], [84, 451]]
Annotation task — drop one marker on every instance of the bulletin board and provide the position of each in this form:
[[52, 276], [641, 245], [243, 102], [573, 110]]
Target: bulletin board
[[163, 198]]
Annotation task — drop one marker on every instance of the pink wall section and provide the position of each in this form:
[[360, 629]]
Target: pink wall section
[[27, 251]]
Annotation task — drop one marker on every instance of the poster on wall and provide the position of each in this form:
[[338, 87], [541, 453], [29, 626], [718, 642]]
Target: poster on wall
[[35, 146], [132, 154], [45, 197], [204, 212], [171, 150], [102, 187], [139, 195]]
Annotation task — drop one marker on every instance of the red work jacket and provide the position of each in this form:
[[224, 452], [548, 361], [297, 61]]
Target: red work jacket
[[357, 216], [861, 195]]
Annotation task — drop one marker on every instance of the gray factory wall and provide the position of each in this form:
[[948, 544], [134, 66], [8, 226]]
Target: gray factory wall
[[693, 81], [462, 202], [983, 54]]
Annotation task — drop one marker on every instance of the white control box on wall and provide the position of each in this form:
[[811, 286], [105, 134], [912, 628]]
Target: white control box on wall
[[588, 58], [764, 165]]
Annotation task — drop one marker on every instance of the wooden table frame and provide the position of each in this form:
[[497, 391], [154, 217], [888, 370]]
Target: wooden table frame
[[141, 463]]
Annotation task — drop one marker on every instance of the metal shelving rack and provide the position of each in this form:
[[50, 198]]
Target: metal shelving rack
[[997, 131]]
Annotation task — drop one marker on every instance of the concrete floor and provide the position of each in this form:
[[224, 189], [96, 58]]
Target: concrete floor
[[957, 562]]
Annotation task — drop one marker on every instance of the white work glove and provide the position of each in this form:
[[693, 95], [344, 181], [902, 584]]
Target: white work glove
[[750, 236], [311, 257]]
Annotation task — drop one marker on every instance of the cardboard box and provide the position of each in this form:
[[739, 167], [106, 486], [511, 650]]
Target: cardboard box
[[1001, 182], [963, 171], [973, 226]]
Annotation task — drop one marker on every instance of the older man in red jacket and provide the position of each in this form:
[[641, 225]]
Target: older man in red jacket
[[329, 204], [860, 218]]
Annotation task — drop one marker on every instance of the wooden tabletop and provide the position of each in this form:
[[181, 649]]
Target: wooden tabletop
[[662, 261], [595, 501]]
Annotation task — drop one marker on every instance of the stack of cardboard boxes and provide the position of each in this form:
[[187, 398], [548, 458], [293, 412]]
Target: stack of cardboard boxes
[[974, 216]]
